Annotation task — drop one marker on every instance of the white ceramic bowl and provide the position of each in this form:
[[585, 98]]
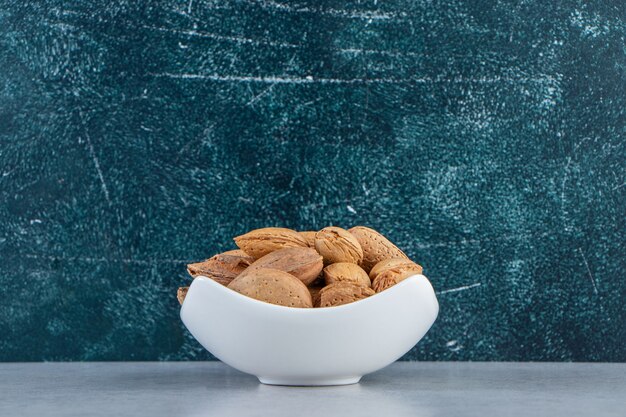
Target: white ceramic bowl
[[302, 346]]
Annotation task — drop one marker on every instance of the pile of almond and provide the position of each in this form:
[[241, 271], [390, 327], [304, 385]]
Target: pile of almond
[[308, 269]]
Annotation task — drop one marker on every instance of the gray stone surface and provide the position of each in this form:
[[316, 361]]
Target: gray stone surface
[[487, 139], [403, 389]]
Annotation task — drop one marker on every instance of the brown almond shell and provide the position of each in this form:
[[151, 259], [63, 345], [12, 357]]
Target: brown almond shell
[[223, 267], [346, 272], [303, 263], [273, 286], [260, 242], [399, 264], [343, 293], [375, 246], [389, 278], [338, 245], [181, 294]]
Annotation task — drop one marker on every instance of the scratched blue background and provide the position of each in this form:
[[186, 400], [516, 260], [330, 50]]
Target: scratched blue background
[[487, 139]]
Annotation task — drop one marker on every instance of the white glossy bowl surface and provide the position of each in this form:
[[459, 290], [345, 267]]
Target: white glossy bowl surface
[[318, 346]]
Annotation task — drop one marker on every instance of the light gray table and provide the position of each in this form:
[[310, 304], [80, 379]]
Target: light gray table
[[411, 389]]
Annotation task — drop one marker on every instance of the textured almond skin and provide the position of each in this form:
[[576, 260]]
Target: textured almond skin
[[343, 293], [309, 236], [376, 247], [315, 295], [223, 267], [303, 263], [181, 294], [338, 245], [390, 278], [260, 242], [398, 264], [273, 286], [346, 272]]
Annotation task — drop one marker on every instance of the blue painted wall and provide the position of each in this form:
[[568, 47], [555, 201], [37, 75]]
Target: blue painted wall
[[487, 139]]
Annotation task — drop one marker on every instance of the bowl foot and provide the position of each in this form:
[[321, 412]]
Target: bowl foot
[[304, 382]]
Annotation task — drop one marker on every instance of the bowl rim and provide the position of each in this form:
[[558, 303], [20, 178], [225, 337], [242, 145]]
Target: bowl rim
[[412, 280]]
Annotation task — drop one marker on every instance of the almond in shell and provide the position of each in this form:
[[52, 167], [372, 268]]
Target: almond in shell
[[181, 294], [343, 293], [223, 267], [390, 278], [397, 264], [346, 272], [303, 263], [338, 245], [260, 242], [376, 247], [273, 286]]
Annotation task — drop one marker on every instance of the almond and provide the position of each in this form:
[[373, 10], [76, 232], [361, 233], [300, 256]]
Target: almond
[[346, 272], [260, 242], [343, 293], [390, 278], [397, 264], [337, 245], [303, 263], [181, 294], [376, 247], [309, 236], [223, 267], [273, 286]]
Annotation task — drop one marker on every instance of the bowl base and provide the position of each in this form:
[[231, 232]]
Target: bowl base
[[310, 382]]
